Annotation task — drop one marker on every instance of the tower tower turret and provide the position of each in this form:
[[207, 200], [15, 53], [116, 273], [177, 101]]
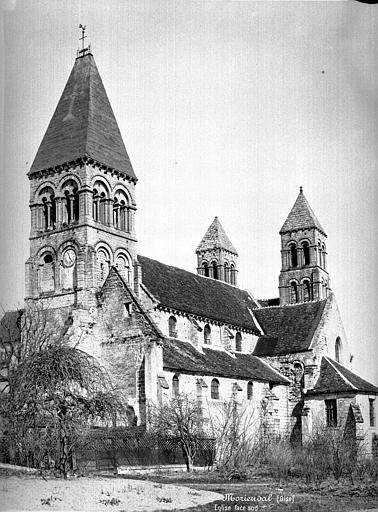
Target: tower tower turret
[[304, 275], [82, 195], [216, 256]]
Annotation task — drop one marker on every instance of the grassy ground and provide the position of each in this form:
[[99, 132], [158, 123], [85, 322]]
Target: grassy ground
[[256, 494], [260, 494]]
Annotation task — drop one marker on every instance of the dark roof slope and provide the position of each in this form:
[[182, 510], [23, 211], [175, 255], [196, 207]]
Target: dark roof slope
[[287, 328], [197, 295], [83, 124], [269, 302], [216, 238], [113, 282], [182, 356], [335, 378], [301, 216]]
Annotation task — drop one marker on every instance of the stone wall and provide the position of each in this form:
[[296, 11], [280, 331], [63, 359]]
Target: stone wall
[[189, 329], [265, 404]]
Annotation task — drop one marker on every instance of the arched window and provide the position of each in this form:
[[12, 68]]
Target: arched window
[[95, 205], [307, 292], [338, 349], [294, 293], [226, 272], [205, 269], [207, 334], [320, 256], [46, 273], [306, 253], [238, 342], [215, 389], [121, 211], [298, 371], [215, 269], [99, 207], [47, 196], [123, 265], [175, 386], [71, 201], [249, 390], [232, 274], [116, 216], [103, 213], [103, 265], [172, 327], [294, 255], [323, 263]]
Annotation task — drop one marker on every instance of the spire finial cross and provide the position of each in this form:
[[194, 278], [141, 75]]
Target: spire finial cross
[[84, 50], [300, 190], [83, 36]]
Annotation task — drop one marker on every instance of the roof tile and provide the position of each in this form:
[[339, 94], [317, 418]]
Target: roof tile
[[335, 378], [287, 328], [215, 237], [197, 295], [83, 124], [184, 357], [301, 216]]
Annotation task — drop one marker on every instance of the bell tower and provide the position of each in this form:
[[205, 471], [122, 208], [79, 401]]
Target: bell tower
[[82, 195], [216, 256], [304, 275]]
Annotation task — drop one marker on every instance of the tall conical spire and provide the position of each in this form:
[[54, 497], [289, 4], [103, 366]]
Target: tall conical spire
[[301, 216], [83, 125]]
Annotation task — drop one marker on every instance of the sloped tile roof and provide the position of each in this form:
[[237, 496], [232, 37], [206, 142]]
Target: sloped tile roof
[[83, 124], [301, 216], [335, 378], [288, 328], [215, 237], [115, 281], [181, 356], [197, 295], [269, 302]]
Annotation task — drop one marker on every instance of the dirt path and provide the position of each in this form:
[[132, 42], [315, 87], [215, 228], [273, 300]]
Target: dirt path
[[97, 494]]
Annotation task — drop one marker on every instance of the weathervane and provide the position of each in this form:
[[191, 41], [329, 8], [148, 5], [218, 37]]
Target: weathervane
[[83, 51]]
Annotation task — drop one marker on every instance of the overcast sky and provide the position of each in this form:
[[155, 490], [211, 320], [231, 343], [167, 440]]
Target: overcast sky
[[226, 108]]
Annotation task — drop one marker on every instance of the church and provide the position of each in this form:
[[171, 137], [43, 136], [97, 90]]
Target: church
[[161, 330]]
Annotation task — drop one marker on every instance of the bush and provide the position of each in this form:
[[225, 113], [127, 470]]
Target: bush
[[279, 458], [329, 452], [238, 446], [366, 469]]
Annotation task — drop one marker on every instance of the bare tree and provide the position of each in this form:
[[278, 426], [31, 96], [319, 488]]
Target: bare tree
[[52, 392], [237, 430], [179, 418]]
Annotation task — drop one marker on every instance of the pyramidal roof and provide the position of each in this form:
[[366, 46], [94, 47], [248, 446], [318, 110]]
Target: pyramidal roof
[[216, 238], [301, 216], [83, 124]]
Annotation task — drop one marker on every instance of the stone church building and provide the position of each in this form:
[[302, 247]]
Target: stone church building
[[161, 330]]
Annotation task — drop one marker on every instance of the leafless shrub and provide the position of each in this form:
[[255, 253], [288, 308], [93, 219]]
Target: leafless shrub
[[279, 457], [330, 452], [236, 430], [179, 418]]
